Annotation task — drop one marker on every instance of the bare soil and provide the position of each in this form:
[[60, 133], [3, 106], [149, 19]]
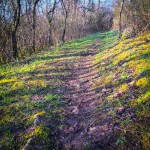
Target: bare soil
[[85, 126]]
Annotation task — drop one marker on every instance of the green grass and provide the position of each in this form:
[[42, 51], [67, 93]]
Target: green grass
[[33, 86], [108, 40], [30, 87], [82, 42], [124, 69]]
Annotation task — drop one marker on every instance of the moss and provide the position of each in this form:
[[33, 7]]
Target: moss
[[50, 97], [40, 114], [41, 136], [4, 81], [18, 85], [143, 82], [145, 141], [36, 83], [123, 87], [42, 132], [26, 98], [144, 98]]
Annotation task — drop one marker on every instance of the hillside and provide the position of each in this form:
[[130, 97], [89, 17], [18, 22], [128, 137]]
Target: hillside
[[90, 93]]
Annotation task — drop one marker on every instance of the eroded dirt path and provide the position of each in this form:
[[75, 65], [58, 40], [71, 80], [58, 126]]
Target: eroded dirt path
[[84, 127]]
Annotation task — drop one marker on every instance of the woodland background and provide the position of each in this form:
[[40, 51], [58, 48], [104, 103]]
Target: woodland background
[[29, 26]]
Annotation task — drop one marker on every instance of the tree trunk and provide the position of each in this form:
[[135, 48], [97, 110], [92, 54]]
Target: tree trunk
[[120, 19], [14, 44], [33, 23], [16, 11], [50, 15], [49, 36], [66, 16], [33, 27], [64, 31]]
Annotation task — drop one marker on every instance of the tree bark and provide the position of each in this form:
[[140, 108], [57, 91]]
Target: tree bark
[[64, 31], [120, 18], [50, 16], [33, 23], [16, 20], [14, 44], [66, 16]]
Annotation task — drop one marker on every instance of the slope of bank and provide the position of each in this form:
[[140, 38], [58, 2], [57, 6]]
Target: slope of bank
[[124, 86]]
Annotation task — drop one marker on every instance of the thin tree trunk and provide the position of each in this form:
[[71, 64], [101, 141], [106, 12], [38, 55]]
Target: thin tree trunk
[[64, 31], [49, 36], [14, 44], [17, 10], [33, 24], [66, 16], [33, 27], [120, 19], [50, 16]]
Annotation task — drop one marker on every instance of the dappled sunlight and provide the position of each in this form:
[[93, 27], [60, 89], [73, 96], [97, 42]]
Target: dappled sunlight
[[29, 88], [126, 83], [113, 84]]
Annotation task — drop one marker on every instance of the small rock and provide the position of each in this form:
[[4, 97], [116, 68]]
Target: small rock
[[104, 90], [82, 133], [120, 110], [118, 94], [28, 144], [75, 110], [78, 85], [132, 83], [36, 117], [92, 129], [36, 120]]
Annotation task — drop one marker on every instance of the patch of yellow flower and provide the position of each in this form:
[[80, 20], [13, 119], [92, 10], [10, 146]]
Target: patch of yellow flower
[[18, 85], [3, 81], [123, 56], [143, 98], [123, 87], [143, 82], [36, 83]]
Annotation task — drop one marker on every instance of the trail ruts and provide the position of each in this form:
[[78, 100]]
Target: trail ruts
[[85, 126]]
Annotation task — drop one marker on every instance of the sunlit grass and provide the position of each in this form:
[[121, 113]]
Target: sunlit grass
[[26, 90], [26, 87], [126, 69]]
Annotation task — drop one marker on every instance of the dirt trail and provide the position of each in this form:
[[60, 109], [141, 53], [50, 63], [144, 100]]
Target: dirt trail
[[84, 126]]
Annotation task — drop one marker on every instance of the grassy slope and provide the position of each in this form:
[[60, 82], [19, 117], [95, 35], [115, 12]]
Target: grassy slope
[[29, 88], [124, 83]]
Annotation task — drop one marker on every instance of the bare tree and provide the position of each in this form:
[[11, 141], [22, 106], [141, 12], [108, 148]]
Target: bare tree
[[120, 18], [66, 9], [16, 9], [34, 22], [50, 16]]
